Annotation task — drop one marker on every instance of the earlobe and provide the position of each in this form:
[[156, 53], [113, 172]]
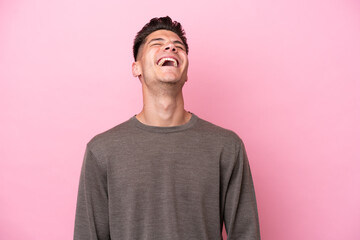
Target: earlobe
[[136, 69]]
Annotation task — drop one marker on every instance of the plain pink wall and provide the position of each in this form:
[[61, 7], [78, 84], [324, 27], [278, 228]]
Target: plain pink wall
[[285, 75]]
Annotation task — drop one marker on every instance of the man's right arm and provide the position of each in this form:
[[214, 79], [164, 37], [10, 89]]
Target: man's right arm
[[92, 219]]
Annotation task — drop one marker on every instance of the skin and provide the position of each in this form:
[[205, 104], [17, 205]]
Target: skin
[[163, 102]]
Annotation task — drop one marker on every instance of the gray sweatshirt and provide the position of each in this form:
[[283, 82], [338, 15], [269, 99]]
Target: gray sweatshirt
[[141, 182]]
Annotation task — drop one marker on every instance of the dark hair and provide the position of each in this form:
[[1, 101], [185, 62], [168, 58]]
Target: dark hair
[[157, 24]]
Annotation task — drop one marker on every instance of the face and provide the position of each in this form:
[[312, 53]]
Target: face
[[161, 58]]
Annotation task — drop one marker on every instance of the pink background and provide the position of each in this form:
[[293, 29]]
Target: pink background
[[284, 75]]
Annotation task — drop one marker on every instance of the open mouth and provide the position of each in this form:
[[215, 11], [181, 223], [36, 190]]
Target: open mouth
[[172, 62]]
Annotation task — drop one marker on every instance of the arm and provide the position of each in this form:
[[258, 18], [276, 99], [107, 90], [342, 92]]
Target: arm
[[239, 208], [92, 220]]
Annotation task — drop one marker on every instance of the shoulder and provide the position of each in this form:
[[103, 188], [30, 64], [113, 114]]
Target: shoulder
[[225, 135], [111, 137], [230, 143]]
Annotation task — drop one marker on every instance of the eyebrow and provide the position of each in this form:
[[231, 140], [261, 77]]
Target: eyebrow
[[161, 39]]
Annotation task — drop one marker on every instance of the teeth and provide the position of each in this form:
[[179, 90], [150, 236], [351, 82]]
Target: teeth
[[163, 60]]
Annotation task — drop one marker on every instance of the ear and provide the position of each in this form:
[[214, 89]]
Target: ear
[[136, 69]]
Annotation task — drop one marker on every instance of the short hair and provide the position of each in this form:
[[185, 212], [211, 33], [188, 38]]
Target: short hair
[[155, 24]]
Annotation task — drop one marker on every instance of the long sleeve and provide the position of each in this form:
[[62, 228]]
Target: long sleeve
[[240, 208], [92, 218]]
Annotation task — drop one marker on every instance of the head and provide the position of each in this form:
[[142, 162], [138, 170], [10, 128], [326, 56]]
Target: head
[[155, 24], [160, 53]]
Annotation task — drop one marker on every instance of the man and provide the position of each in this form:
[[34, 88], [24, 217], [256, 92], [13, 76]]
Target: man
[[165, 173]]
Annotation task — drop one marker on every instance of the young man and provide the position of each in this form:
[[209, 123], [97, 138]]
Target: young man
[[165, 173]]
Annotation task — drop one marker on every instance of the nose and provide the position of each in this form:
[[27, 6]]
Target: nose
[[170, 47]]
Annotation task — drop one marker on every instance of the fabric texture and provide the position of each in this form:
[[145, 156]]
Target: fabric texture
[[141, 182]]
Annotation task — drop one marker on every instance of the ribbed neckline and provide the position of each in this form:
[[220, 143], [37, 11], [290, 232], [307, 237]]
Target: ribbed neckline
[[158, 129]]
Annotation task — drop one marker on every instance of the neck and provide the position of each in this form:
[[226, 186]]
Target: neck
[[163, 110]]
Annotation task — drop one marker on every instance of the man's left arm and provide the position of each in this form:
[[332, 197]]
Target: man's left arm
[[239, 206]]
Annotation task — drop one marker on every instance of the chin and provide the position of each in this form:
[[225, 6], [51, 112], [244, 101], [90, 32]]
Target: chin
[[169, 79]]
